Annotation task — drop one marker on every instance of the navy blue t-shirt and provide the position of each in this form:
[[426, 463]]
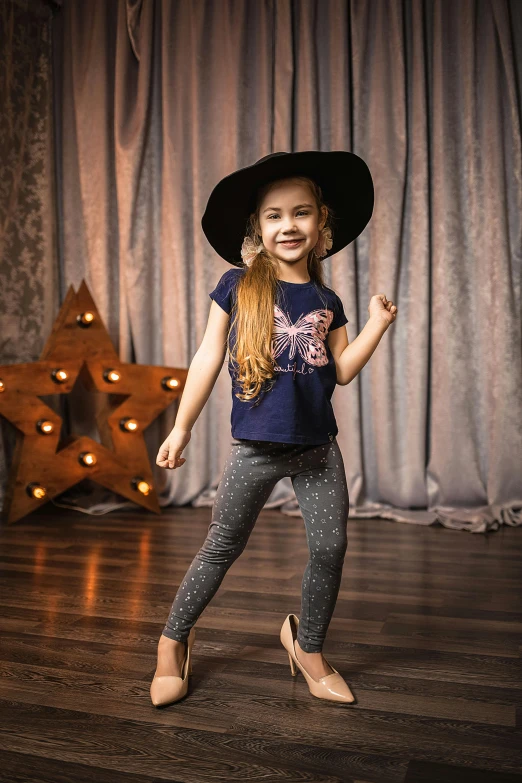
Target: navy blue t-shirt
[[297, 409]]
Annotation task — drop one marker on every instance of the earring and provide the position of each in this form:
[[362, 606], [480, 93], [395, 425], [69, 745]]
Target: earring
[[249, 250], [324, 243]]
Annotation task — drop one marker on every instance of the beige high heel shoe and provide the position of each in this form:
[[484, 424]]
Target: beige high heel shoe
[[168, 688], [331, 687]]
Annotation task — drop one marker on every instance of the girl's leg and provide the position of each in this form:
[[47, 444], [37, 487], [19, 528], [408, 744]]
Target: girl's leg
[[322, 493], [244, 488]]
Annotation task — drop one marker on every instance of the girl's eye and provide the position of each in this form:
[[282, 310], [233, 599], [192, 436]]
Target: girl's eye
[[301, 212]]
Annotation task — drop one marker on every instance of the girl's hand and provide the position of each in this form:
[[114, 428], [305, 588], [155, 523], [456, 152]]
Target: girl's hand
[[169, 455], [383, 308]]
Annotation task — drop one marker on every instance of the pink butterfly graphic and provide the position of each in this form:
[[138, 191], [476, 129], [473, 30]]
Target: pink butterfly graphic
[[307, 335]]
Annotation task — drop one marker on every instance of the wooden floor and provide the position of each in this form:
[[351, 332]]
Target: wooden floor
[[427, 630]]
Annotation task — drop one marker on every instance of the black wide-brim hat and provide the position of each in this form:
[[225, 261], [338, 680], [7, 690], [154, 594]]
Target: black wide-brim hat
[[344, 179]]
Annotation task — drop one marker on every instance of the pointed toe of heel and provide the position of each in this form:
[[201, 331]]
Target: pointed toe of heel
[[331, 687], [167, 689]]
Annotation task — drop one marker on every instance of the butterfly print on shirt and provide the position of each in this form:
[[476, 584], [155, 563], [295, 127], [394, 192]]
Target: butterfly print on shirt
[[306, 336]]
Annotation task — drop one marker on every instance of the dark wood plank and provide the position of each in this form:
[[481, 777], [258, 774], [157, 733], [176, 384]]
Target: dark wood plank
[[420, 772], [22, 768]]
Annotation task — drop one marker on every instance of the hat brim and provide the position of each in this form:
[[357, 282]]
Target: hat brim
[[343, 176]]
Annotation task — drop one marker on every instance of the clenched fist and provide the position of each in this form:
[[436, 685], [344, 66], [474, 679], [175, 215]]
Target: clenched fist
[[169, 455], [382, 308]]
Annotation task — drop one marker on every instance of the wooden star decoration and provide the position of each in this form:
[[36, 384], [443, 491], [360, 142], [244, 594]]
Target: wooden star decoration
[[80, 347]]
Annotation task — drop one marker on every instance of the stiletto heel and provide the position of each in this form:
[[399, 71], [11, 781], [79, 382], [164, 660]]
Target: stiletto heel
[[166, 689], [331, 687]]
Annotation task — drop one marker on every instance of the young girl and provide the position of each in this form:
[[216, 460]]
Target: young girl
[[285, 332]]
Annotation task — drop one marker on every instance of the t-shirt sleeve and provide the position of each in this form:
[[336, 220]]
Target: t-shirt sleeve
[[223, 292], [339, 318]]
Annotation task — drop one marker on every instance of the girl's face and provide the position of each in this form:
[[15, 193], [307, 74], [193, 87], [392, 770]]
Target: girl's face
[[289, 212]]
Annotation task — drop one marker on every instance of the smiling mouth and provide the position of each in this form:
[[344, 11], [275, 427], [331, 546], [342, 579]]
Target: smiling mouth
[[292, 242]]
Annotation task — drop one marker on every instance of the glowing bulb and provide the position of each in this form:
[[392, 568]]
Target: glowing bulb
[[128, 424], [45, 427], [111, 376], [85, 319], [2, 386], [59, 376], [141, 485], [35, 490], [87, 458], [169, 383]]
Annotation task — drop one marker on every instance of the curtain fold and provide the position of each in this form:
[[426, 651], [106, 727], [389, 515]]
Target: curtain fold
[[157, 101]]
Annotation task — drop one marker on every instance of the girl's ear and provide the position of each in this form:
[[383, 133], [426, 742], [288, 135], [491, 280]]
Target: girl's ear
[[322, 218]]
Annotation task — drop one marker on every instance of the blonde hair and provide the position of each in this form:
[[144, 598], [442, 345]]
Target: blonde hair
[[253, 313]]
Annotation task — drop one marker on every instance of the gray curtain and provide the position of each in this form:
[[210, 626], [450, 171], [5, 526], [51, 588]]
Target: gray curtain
[[29, 268], [155, 102]]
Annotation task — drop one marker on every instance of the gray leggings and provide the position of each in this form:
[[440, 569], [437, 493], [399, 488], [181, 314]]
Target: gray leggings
[[252, 469]]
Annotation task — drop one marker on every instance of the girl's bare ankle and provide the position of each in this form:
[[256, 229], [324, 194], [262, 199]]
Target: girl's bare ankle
[[303, 652], [174, 644]]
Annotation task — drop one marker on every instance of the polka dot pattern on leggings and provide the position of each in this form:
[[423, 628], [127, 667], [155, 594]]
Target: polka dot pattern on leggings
[[251, 471]]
